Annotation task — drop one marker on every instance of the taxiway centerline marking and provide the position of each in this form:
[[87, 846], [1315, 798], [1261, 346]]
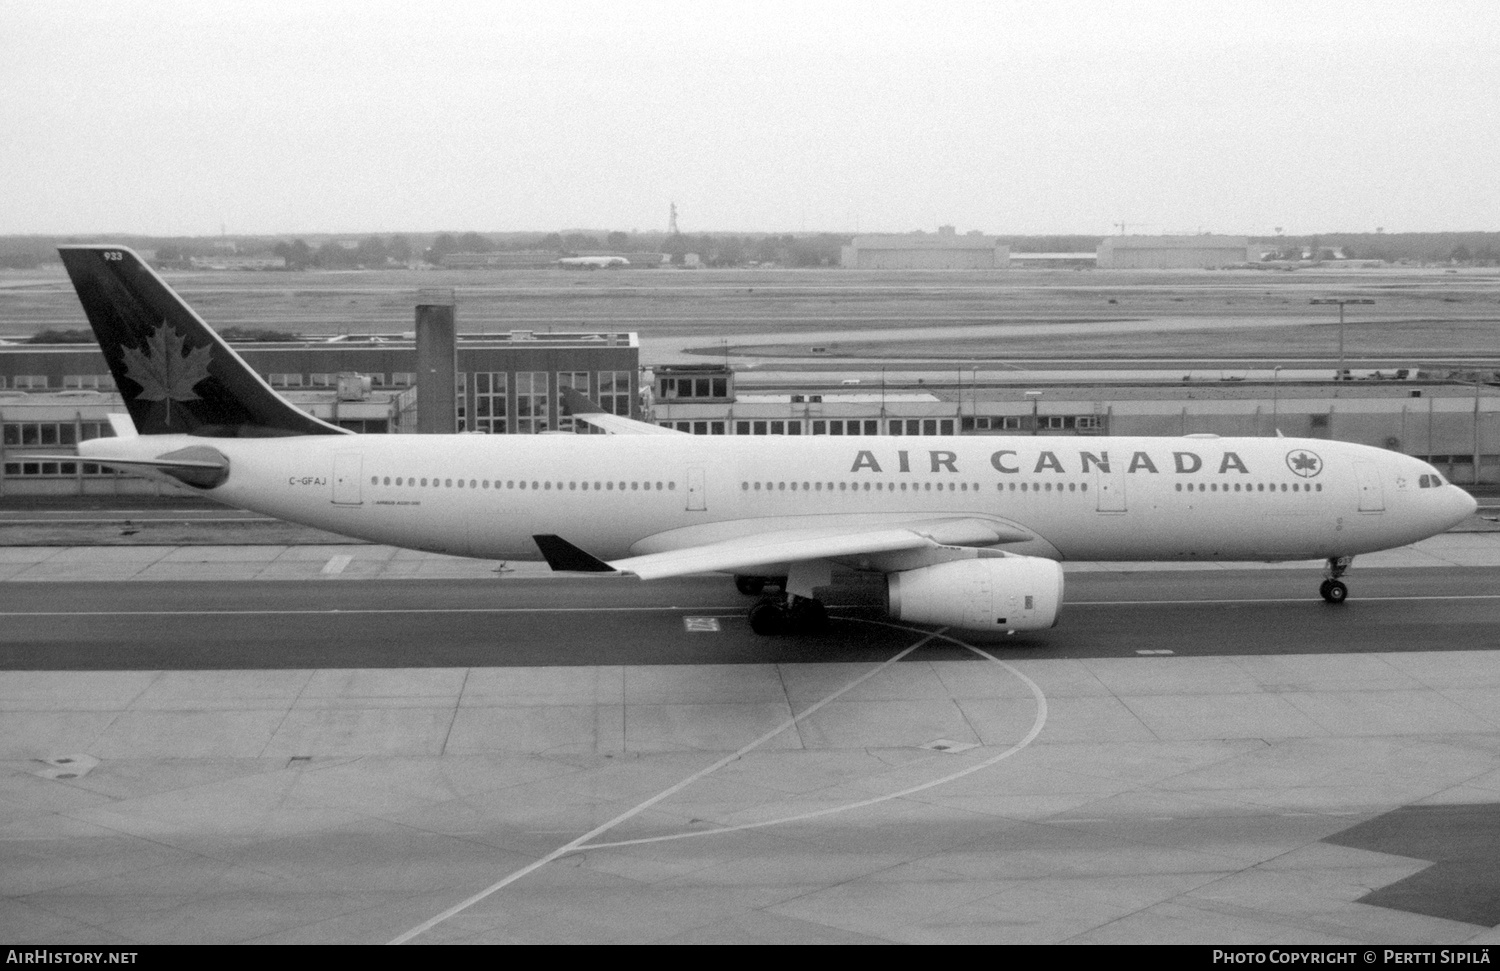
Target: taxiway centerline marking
[[664, 794], [1036, 729]]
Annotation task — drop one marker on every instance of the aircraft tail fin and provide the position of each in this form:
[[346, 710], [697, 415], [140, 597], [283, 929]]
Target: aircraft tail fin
[[176, 375]]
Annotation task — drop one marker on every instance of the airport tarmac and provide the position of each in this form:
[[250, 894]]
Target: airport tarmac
[[1204, 754]]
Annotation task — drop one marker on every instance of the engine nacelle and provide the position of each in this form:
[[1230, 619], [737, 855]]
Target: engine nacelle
[[1005, 593]]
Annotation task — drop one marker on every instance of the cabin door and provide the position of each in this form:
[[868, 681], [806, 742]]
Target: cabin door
[[347, 471], [1371, 492], [1110, 489], [697, 501]]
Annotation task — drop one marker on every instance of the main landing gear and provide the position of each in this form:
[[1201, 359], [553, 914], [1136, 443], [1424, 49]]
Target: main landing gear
[[788, 614], [1333, 589], [754, 586]]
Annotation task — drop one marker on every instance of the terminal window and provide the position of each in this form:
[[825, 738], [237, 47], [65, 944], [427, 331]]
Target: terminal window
[[490, 413], [614, 392], [103, 382], [531, 402], [682, 387], [577, 381]]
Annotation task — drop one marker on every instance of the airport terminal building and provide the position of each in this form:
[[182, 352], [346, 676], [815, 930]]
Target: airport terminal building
[[1453, 424], [54, 396]]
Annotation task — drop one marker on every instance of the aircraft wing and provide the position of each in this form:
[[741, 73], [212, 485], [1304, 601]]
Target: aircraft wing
[[584, 410], [746, 553]]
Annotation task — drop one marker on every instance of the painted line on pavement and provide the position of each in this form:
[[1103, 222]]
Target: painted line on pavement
[[1036, 729], [599, 830]]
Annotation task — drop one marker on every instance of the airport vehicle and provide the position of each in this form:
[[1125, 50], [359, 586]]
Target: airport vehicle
[[591, 262], [967, 531]]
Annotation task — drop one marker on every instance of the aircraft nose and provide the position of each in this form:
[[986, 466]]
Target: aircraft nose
[[1467, 504]]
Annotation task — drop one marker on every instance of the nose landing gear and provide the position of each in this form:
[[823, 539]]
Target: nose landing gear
[[1332, 589]]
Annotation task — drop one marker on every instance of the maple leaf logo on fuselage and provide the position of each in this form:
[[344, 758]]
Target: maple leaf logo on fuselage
[[163, 371], [1304, 463]]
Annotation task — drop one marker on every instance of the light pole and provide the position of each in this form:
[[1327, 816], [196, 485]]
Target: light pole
[[974, 393], [1341, 301], [1036, 399], [1275, 397]]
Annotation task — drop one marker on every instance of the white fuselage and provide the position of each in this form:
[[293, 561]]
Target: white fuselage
[[621, 495]]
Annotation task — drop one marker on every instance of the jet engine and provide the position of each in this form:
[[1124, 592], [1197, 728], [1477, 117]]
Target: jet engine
[[1007, 593]]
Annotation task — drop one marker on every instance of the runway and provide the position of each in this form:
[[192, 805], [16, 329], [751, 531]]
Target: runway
[[342, 744]]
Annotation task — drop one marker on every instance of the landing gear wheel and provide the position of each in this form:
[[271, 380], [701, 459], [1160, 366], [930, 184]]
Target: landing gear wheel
[[1334, 591], [808, 617], [749, 586], [768, 618]]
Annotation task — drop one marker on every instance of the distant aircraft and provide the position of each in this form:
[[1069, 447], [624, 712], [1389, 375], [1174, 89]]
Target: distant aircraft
[[591, 262], [967, 531]]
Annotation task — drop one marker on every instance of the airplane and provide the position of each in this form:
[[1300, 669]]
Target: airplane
[[968, 532], [591, 262]]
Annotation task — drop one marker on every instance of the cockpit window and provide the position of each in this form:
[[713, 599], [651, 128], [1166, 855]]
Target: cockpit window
[[1425, 482]]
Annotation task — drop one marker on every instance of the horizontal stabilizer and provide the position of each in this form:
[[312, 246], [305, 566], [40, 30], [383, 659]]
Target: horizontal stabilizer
[[564, 557], [196, 465]]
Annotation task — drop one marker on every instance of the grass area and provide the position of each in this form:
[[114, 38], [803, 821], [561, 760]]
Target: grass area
[[1198, 312]]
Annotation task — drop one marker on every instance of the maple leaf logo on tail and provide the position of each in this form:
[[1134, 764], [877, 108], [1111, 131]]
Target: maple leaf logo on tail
[[163, 371]]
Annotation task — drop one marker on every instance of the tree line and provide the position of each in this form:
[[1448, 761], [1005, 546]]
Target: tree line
[[713, 249]]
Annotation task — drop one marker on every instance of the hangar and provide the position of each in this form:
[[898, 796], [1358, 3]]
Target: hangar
[[943, 250], [1173, 252]]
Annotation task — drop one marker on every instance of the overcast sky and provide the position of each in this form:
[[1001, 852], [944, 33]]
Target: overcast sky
[[156, 117]]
